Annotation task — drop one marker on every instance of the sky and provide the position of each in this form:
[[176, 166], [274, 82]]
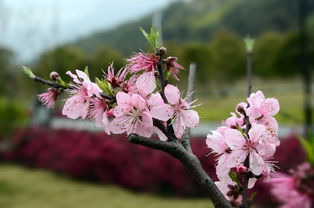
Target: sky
[[29, 27]]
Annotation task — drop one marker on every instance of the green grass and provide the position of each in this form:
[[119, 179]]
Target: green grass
[[28, 188]]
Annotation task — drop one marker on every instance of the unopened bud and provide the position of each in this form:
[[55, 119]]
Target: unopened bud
[[54, 76], [242, 169], [162, 51]]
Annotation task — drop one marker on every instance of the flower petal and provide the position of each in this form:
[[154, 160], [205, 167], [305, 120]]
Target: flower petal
[[162, 112], [172, 94]]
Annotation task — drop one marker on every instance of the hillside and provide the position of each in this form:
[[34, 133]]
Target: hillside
[[198, 20]]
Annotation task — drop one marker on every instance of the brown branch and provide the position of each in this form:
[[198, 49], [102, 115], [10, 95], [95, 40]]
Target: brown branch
[[190, 92], [191, 163]]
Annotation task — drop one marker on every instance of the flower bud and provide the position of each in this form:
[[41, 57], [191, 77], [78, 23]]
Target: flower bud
[[161, 51], [241, 169], [54, 76]]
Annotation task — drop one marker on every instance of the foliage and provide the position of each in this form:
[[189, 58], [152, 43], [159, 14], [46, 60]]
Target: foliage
[[12, 116]]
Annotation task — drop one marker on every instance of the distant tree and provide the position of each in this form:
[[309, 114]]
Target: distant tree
[[266, 50], [200, 54], [228, 56], [61, 59], [104, 57], [6, 70]]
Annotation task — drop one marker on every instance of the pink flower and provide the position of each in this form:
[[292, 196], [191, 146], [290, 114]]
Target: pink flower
[[98, 113], [254, 147], [178, 109], [259, 107], [234, 121], [118, 79], [77, 105], [49, 98], [174, 67], [141, 61], [131, 116], [216, 142], [285, 189]]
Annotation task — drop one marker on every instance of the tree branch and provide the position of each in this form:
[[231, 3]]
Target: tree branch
[[190, 92], [190, 162]]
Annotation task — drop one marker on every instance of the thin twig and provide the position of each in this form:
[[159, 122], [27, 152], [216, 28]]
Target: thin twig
[[190, 93]]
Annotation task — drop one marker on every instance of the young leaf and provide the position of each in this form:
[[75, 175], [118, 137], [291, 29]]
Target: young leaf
[[234, 177], [249, 44], [28, 72], [253, 196], [152, 38], [86, 71]]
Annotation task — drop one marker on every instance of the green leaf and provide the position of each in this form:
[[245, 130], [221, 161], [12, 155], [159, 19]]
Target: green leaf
[[249, 44], [234, 177], [86, 71], [28, 72], [105, 86], [152, 38]]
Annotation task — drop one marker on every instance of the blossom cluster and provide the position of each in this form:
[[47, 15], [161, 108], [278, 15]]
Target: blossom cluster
[[295, 189], [245, 144], [130, 100]]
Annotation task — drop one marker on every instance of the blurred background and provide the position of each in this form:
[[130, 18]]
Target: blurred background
[[89, 169]]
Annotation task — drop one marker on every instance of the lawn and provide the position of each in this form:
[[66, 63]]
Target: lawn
[[28, 188]]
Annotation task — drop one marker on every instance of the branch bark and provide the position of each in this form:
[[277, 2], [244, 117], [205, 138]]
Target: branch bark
[[190, 162]]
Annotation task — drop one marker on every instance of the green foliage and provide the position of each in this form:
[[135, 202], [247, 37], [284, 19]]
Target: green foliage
[[61, 60], [102, 59], [152, 38], [228, 57], [266, 51], [12, 116], [308, 145]]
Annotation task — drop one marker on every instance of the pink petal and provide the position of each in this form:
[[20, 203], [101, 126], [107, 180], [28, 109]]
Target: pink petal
[[256, 163], [257, 132], [75, 107], [120, 124], [236, 157], [138, 102], [143, 130], [162, 112], [190, 118], [160, 134], [179, 128], [234, 139], [123, 99], [216, 142], [146, 83], [81, 74], [270, 107], [172, 94], [154, 100], [147, 119], [252, 182]]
